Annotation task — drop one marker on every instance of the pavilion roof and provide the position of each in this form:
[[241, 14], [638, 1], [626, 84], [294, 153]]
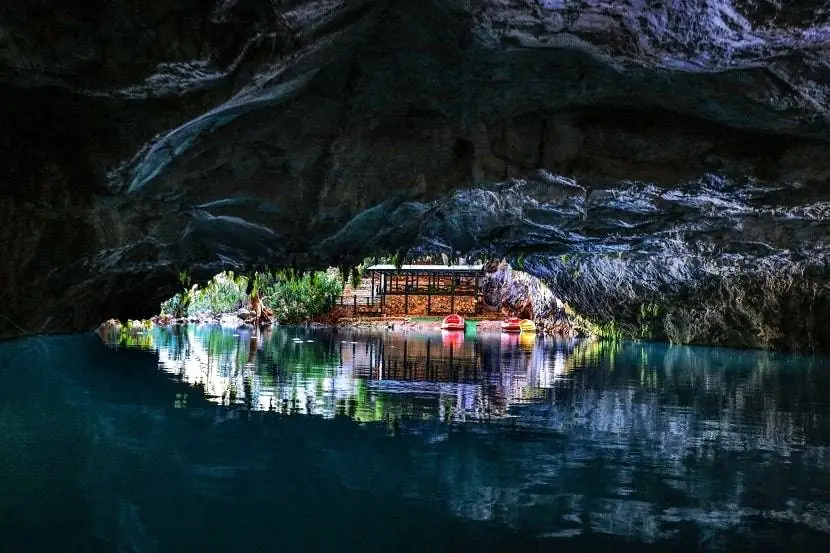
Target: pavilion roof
[[427, 268]]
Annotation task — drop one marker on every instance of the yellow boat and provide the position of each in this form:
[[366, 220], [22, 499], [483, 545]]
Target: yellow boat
[[527, 326], [527, 340]]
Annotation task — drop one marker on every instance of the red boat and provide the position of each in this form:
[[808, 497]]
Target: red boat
[[511, 324], [452, 338], [453, 322]]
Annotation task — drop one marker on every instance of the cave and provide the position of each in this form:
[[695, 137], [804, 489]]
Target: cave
[[629, 154]]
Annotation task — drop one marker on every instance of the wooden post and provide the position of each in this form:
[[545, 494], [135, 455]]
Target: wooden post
[[373, 287], [355, 306], [452, 295], [428, 344], [373, 358], [429, 303], [382, 354]]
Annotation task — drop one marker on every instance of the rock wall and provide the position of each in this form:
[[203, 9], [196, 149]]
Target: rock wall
[[518, 293], [780, 306], [149, 137]]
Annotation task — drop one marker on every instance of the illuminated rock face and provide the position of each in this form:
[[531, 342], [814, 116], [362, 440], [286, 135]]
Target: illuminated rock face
[[673, 153]]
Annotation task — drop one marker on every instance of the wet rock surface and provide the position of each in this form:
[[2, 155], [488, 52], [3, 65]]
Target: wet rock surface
[[675, 153], [517, 293]]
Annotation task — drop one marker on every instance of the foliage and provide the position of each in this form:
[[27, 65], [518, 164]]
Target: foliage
[[295, 298], [225, 293], [134, 334], [520, 261], [648, 320], [399, 258], [607, 330], [352, 275], [263, 281], [178, 305]]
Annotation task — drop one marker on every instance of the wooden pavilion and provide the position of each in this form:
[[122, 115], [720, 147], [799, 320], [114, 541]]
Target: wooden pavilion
[[425, 289]]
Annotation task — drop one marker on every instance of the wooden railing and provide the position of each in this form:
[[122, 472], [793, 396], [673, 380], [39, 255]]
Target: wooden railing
[[368, 305]]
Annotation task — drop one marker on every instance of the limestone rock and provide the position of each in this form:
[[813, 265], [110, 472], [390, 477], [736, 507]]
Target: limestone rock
[[146, 137]]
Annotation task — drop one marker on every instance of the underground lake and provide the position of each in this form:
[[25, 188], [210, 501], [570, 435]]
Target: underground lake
[[204, 438], [644, 183]]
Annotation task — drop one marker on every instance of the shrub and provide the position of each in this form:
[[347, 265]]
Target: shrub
[[223, 294], [294, 298], [178, 306]]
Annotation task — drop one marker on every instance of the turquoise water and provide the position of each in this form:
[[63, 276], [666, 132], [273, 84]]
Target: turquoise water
[[210, 439]]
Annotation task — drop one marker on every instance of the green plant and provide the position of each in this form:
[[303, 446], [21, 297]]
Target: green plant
[[399, 258], [131, 337], [292, 296], [647, 319], [262, 282], [609, 331], [294, 299], [223, 294], [178, 305]]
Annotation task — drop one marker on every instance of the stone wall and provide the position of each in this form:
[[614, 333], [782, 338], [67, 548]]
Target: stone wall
[[341, 312], [438, 305]]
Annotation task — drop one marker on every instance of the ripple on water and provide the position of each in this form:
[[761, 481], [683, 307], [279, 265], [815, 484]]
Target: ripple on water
[[208, 432]]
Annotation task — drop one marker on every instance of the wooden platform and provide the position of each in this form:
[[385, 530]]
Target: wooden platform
[[416, 291]]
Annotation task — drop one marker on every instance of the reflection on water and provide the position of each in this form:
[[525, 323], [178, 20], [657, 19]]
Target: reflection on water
[[368, 376], [439, 441]]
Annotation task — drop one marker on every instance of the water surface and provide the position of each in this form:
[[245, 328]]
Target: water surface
[[210, 439]]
